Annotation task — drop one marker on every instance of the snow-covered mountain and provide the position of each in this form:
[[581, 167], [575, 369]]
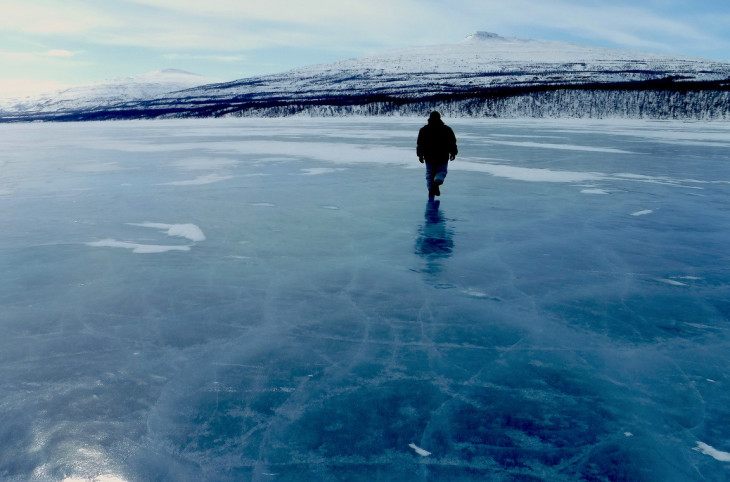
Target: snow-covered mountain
[[483, 75], [482, 60], [109, 92], [482, 66]]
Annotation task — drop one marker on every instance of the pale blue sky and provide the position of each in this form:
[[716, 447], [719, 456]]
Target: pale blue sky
[[55, 43]]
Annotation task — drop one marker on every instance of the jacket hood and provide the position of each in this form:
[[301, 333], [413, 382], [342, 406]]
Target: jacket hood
[[435, 118]]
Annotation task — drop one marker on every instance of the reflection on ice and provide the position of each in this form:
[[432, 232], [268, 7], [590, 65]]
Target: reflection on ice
[[435, 237]]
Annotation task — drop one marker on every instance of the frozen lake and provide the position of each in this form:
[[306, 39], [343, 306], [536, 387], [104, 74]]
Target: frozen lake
[[276, 300]]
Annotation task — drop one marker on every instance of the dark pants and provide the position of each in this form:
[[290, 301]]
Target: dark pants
[[435, 174]]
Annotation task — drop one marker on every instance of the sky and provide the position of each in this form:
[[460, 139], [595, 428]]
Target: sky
[[52, 44]]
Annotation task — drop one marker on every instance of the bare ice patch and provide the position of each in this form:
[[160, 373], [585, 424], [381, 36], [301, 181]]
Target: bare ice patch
[[712, 452], [419, 450]]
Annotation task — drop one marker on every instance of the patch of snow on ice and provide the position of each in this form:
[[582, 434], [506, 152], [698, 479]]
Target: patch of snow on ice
[[188, 231], [650, 179], [313, 171], [567, 147], [643, 213], [199, 181], [712, 452], [135, 247], [671, 282], [699, 326], [528, 174], [204, 163], [549, 175], [98, 478], [335, 152], [419, 450], [475, 293]]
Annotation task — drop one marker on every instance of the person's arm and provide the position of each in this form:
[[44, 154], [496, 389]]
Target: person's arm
[[454, 150], [419, 151]]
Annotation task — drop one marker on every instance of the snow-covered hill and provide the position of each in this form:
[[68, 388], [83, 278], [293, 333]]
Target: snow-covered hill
[[483, 75], [140, 87], [482, 64], [481, 60]]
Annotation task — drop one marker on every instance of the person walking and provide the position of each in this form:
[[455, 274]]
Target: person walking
[[436, 146]]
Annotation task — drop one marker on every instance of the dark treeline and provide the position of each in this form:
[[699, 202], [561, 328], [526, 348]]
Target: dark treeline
[[572, 103], [649, 100]]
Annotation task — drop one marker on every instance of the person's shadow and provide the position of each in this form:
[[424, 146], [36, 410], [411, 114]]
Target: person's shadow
[[435, 238]]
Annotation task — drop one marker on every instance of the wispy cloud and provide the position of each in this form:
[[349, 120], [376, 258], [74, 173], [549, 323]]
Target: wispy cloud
[[236, 38], [240, 25], [59, 53], [224, 24], [213, 58], [628, 25], [35, 56], [321, 12], [44, 17]]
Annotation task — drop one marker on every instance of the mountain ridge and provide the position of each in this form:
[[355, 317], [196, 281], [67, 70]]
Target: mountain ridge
[[110, 91], [483, 75]]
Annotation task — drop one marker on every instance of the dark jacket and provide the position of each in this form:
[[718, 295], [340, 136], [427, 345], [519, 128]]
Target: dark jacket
[[436, 142]]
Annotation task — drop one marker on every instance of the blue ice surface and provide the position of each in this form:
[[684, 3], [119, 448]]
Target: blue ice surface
[[278, 300]]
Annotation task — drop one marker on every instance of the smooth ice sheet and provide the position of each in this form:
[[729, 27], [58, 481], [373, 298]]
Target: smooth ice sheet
[[279, 300]]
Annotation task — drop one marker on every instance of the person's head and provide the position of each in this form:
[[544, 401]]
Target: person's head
[[435, 118]]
